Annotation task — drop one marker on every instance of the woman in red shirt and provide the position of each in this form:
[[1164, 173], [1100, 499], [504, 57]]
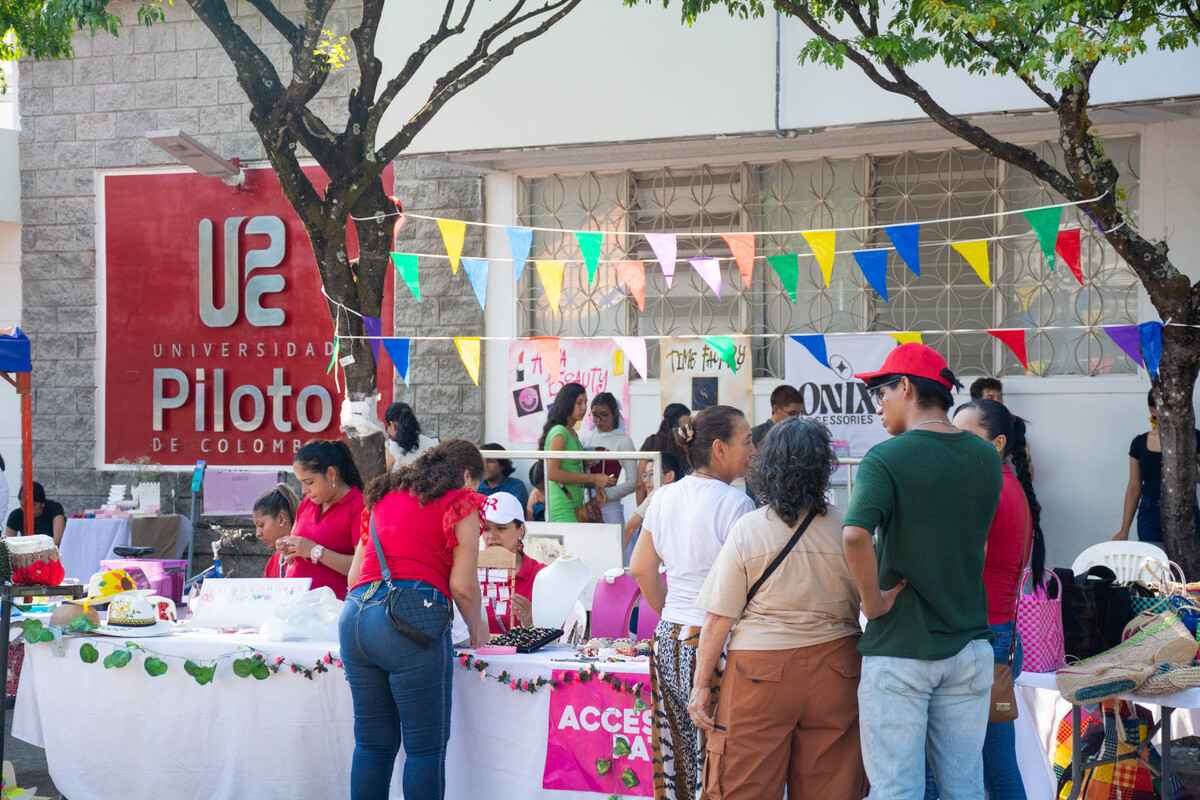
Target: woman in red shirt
[[426, 522], [274, 515], [504, 525], [1015, 534], [321, 545]]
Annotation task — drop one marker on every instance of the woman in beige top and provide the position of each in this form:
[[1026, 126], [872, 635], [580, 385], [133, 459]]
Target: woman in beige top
[[787, 702]]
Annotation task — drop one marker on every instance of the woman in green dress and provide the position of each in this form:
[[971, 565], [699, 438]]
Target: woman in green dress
[[566, 480]]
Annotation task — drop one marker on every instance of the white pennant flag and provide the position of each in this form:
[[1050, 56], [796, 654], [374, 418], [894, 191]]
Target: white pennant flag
[[634, 348], [665, 247]]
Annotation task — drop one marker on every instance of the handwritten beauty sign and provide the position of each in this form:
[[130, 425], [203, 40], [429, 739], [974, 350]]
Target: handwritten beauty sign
[[598, 365], [599, 738]]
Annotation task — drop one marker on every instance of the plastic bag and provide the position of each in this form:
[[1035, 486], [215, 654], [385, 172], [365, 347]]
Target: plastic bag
[[312, 616]]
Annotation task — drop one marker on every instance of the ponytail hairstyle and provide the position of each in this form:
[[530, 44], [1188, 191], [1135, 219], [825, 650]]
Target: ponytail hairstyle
[[715, 423], [408, 429], [280, 500], [437, 471], [320, 455], [997, 420], [561, 409], [670, 421], [607, 400]]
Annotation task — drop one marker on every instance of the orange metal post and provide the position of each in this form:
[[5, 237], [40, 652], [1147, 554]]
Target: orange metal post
[[25, 390]]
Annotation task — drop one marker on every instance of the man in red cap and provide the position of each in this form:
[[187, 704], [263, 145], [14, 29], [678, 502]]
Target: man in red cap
[[930, 491]]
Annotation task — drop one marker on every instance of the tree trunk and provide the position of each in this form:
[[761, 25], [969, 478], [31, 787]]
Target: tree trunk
[[1177, 375]]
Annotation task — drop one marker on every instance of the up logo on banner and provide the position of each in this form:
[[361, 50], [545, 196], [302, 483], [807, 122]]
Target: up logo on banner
[[251, 293]]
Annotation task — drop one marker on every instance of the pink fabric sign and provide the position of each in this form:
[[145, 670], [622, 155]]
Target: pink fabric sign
[[599, 738]]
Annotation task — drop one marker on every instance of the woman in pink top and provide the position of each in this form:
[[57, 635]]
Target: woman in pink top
[[321, 545]]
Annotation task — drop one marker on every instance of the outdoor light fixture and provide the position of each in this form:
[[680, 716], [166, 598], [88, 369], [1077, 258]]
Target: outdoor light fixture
[[192, 153]]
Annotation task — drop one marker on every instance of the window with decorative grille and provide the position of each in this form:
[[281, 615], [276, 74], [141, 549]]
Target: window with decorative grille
[[947, 300]]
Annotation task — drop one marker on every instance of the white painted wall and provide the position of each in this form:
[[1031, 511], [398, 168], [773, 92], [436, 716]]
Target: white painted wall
[[608, 73], [10, 176], [10, 314]]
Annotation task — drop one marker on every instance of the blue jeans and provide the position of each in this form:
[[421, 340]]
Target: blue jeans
[[911, 709], [1001, 777], [401, 694]]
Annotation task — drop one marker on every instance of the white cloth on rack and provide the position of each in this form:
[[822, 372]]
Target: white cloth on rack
[[87, 542]]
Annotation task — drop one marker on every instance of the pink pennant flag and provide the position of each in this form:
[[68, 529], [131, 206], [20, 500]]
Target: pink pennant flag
[[634, 348], [710, 270], [547, 348], [633, 275], [1014, 339], [665, 247], [741, 245]]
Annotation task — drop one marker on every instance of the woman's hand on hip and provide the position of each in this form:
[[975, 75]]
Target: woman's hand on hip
[[700, 708]]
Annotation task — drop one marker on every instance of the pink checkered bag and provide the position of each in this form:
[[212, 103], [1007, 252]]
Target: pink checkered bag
[[1039, 623]]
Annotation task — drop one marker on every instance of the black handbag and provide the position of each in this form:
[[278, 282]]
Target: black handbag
[[412, 613], [1095, 611]]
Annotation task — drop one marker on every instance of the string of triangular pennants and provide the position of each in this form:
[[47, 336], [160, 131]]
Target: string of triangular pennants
[[1141, 342], [905, 239]]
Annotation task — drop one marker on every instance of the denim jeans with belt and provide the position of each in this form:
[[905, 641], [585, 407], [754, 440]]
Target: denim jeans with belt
[[910, 710], [401, 695], [1001, 777]]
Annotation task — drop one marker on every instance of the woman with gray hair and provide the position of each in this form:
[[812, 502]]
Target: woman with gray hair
[[786, 704]]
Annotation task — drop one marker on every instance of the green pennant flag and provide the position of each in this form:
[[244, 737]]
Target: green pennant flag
[[337, 347], [724, 347], [406, 265], [1045, 222], [590, 243], [787, 267]]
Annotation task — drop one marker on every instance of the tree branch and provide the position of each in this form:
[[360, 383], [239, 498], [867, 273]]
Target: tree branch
[[445, 89], [287, 29], [1027, 79]]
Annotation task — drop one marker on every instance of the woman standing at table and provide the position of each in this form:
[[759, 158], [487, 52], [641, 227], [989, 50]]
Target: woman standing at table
[[565, 479], [425, 521], [669, 438], [606, 415], [321, 544], [685, 526], [274, 515]]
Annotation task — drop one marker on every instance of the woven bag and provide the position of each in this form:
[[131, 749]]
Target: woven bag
[[1040, 626], [1127, 666]]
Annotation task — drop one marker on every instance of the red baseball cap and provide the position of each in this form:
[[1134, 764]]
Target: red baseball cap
[[915, 359]]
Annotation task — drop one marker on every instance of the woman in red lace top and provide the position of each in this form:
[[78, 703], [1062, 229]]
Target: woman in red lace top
[[427, 523]]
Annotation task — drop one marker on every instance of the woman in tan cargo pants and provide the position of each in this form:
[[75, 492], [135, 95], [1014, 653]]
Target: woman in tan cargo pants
[[786, 706]]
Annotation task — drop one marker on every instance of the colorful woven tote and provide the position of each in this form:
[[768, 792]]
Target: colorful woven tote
[[1039, 623], [1116, 730]]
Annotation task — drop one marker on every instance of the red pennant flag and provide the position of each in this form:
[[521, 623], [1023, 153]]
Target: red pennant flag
[[1067, 248], [1015, 341]]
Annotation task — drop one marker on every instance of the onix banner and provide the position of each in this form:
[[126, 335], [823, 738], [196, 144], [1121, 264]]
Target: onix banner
[[215, 335]]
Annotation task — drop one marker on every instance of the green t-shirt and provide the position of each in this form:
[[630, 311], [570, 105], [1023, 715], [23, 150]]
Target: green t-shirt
[[563, 498], [932, 497]]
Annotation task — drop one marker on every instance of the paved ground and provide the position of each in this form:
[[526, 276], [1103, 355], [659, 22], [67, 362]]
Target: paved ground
[[29, 763]]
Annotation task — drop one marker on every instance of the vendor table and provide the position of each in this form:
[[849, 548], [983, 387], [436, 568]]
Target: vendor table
[[1041, 707], [119, 732], [87, 542]]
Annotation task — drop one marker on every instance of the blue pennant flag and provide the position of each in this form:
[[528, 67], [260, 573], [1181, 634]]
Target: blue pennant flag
[[477, 273], [815, 344], [1151, 334], [873, 264], [907, 241], [397, 349], [520, 240]]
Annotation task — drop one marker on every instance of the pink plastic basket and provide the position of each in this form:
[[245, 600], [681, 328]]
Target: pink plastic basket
[[1039, 623]]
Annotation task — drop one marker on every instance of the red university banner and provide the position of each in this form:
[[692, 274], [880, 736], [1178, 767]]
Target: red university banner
[[215, 335]]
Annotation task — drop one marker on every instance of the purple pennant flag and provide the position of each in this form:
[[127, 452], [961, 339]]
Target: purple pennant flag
[[1129, 339], [1151, 335], [372, 326]]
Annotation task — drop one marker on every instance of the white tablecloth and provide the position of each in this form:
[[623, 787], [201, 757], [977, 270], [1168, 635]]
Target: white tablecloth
[[87, 542], [119, 732], [1042, 707]]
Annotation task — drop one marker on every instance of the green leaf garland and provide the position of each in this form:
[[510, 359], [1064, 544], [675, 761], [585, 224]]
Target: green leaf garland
[[155, 667], [603, 766], [88, 654], [117, 659]]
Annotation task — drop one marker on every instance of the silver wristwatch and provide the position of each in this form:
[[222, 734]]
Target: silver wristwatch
[[315, 555]]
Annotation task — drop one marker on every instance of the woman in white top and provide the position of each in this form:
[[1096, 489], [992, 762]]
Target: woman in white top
[[684, 528], [607, 435], [405, 442]]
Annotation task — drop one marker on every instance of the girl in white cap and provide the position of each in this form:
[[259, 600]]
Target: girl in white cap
[[504, 525]]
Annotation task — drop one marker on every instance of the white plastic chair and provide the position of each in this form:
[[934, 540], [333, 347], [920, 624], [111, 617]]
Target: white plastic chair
[[1123, 558]]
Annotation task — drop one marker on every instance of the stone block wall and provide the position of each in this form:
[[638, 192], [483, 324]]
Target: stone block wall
[[91, 113]]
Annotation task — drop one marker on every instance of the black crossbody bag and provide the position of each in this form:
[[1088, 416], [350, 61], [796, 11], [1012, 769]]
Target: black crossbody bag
[[787, 548], [412, 614]]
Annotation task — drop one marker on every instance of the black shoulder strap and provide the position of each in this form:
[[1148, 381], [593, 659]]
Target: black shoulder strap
[[787, 548]]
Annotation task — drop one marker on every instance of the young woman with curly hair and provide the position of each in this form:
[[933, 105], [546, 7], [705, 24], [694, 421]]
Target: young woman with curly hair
[[427, 523], [787, 709]]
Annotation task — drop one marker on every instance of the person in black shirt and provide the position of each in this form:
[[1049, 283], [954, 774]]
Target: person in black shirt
[[1145, 483], [786, 402], [49, 518]]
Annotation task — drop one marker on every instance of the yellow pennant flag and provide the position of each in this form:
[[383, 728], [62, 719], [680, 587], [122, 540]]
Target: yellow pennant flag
[[823, 245], [469, 350], [976, 254], [908, 337], [551, 274], [454, 231]]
